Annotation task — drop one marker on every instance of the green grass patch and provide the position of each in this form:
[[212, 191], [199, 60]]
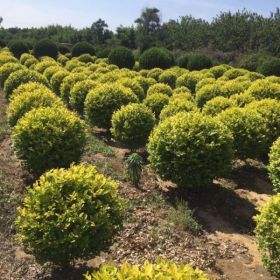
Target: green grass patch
[[97, 146]]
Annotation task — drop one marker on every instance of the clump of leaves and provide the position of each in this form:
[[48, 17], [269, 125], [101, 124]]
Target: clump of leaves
[[133, 168]]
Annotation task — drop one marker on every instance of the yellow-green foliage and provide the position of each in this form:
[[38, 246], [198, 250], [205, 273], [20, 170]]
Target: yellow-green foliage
[[168, 77], [179, 90], [204, 82], [85, 58], [43, 65], [62, 59], [69, 214], [183, 95], [102, 70], [248, 129], [72, 64], [253, 76], [24, 57], [176, 105], [132, 124], [190, 149], [219, 70], [216, 105], [234, 86], [31, 63], [47, 138], [155, 73], [134, 86], [7, 69], [57, 79], [28, 87], [161, 270], [144, 73], [110, 77], [103, 101], [261, 89], [242, 99], [68, 83], [22, 77], [273, 79], [274, 165], [78, 94], [6, 58], [50, 71], [268, 234], [145, 83], [207, 93], [26, 101], [156, 102], [190, 79], [269, 109], [234, 73], [159, 88]]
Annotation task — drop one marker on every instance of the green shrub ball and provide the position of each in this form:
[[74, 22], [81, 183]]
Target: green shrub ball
[[132, 125], [47, 138], [268, 234], [70, 214], [190, 149], [122, 57], [102, 102], [274, 165]]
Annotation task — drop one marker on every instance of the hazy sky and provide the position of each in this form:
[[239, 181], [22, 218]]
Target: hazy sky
[[81, 13]]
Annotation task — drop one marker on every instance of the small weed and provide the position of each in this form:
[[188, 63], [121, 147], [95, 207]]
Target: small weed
[[105, 167]]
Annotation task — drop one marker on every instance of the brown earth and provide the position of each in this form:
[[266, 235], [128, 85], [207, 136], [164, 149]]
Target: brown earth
[[225, 248]]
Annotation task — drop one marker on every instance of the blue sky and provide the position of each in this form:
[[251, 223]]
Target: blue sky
[[81, 13]]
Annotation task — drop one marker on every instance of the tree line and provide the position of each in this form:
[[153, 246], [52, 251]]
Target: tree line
[[242, 31]]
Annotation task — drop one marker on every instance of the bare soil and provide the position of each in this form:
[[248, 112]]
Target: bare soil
[[224, 249]]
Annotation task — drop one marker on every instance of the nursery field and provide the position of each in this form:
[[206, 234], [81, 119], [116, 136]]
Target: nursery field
[[108, 161]]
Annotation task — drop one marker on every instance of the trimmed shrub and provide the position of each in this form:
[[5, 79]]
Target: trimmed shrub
[[31, 63], [132, 125], [242, 99], [268, 234], [26, 101], [155, 73], [248, 129], [156, 57], [18, 48], [6, 58], [270, 67], [190, 149], [62, 59], [122, 57], [44, 64], [57, 80], [273, 79], [199, 62], [63, 49], [253, 76], [160, 88], [67, 84], [45, 47], [233, 73], [190, 80], [145, 83], [79, 93], [47, 138], [184, 60], [216, 105], [168, 77], [253, 61], [7, 69], [73, 63], [103, 52], [262, 89], [82, 48], [269, 109], [70, 214], [274, 165], [134, 86], [207, 93], [204, 82], [156, 102], [28, 87], [177, 105], [101, 103], [50, 71], [24, 57], [162, 269], [219, 70], [180, 90], [86, 58], [22, 77], [183, 96]]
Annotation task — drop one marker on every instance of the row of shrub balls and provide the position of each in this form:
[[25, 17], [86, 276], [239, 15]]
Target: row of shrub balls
[[195, 124]]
